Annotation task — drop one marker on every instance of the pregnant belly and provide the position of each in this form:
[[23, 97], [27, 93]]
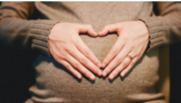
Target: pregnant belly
[[55, 84]]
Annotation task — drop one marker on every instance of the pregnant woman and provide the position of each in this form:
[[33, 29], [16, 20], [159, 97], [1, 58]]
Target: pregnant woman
[[92, 52]]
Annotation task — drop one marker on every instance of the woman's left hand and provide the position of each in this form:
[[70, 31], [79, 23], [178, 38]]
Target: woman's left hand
[[129, 47]]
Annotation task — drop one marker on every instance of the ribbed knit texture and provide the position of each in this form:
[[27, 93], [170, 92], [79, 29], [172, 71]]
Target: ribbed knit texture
[[164, 29], [40, 31], [17, 32], [54, 83]]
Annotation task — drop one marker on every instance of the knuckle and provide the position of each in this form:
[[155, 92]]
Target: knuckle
[[119, 58], [125, 63], [59, 55], [132, 45], [67, 66], [115, 51], [83, 60], [73, 39], [117, 62], [67, 49], [86, 52], [125, 37], [63, 55], [127, 60], [77, 65]]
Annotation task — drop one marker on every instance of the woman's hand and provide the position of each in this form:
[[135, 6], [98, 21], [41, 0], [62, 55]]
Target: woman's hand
[[68, 49], [129, 47]]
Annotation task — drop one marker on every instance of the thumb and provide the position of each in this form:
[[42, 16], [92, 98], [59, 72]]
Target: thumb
[[108, 28], [88, 29]]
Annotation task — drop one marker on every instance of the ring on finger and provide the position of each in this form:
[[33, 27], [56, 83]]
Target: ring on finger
[[130, 56]]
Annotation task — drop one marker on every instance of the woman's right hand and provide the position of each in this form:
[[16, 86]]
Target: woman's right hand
[[68, 49]]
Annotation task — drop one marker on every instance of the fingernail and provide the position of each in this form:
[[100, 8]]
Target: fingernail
[[111, 77], [99, 65], [103, 65], [92, 77], [79, 76], [104, 74], [122, 74], [100, 73]]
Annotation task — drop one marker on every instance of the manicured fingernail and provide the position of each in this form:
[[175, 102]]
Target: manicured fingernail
[[104, 74], [122, 74], [111, 77], [100, 73], [99, 65], [79, 76], [92, 77], [103, 65]]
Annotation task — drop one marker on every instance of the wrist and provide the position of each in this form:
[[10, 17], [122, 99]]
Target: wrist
[[50, 31], [149, 42]]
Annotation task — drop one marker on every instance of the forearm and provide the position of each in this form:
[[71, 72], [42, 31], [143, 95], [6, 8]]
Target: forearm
[[166, 27], [25, 34], [19, 32]]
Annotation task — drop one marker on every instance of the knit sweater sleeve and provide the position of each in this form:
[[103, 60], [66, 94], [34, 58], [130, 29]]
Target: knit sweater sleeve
[[165, 27], [19, 32]]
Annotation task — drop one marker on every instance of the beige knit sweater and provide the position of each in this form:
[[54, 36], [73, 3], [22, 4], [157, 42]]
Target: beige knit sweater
[[18, 29]]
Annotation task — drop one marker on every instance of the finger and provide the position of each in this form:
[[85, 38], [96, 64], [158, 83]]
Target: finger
[[121, 67], [114, 51], [87, 52], [88, 29], [108, 28], [128, 68], [70, 68], [84, 61], [136, 53], [118, 59], [79, 67]]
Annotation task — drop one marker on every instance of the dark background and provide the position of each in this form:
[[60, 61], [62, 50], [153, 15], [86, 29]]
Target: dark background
[[17, 74], [175, 73]]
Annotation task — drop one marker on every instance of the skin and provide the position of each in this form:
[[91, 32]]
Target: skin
[[133, 40], [68, 49]]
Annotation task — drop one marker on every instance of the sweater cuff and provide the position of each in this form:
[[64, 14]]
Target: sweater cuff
[[156, 30], [39, 32]]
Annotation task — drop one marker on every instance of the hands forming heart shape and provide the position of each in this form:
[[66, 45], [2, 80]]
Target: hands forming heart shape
[[68, 49]]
